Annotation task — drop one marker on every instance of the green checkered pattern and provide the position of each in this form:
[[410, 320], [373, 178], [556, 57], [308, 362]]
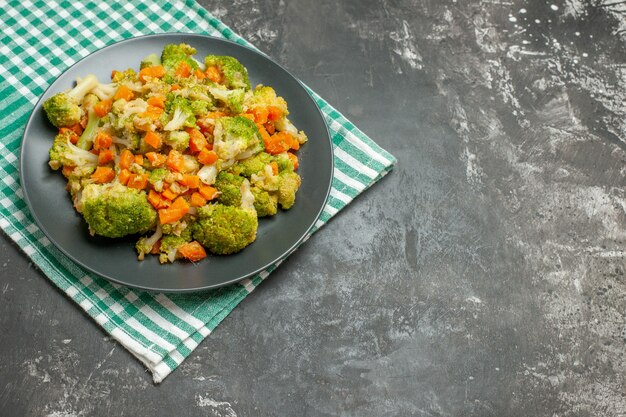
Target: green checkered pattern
[[39, 41]]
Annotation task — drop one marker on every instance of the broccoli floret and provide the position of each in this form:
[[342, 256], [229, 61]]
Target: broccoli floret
[[128, 76], [236, 137], [63, 108], [63, 152], [264, 96], [234, 74], [225, 229], [179, 113], [265, 204], [200, 107], [113, 210], [173, 55], [180, 228], [157, 175], [229, 186], [150, 61], [86, 138], [232, 99], [288, 184], [144, 245], [252, 165], [283, 162], [178, 140]]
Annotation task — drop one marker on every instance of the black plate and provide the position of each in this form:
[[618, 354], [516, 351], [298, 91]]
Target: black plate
[[115, 259]]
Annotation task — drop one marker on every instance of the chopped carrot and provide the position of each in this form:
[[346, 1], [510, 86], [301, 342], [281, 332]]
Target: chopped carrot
[[175, 87], [214, 74], [199, 74], [180, 204], [278, 143], [123, 176], [138, 181], [153, 139], [157, 201], [102, 141], [156, 159], [216, 114], [183, 70], [271, 129], [197, 141], [77, 128], [207, 157], [248, 116], [169, 194], [274, 113], [126, 159], [170, 215], [156, 248], [294, 159], [67, 170], [191, 181], [264, 135], [73, 136], [113, 73], [192, 251], [124, 92], [156, 71], [102, 108], [157, 101], [274, 166], [105, 156], [139, 159], [152, 112], [103, 175], [208, 192], [175, 161], [260, 114], [197, 200]]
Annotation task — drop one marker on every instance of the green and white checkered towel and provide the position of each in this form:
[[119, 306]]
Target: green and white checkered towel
[[39, 41]]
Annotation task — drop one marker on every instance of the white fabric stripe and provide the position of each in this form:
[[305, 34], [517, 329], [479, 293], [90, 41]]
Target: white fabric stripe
[[149, 334], [352, 183], [146, 356], [344, 198], [160, 371], [178, 312], [204, 331], [355, 163], [163, 322]]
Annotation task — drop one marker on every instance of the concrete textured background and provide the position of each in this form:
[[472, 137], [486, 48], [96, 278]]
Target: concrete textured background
[[483, 277]]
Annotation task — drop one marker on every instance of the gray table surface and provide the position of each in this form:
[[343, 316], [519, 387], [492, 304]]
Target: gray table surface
[[483, 277]]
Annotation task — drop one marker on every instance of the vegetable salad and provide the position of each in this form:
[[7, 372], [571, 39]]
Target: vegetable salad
[[186, 155]]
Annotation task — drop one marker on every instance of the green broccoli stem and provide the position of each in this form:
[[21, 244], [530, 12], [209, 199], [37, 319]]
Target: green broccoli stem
[[86, 139]]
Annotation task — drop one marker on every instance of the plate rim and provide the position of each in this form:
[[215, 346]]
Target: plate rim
[[79, 262]]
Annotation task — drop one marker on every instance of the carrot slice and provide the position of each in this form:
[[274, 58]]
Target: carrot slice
[[67, 170], [260, 114], [105, 156], [138, 181], [124, 92], [197, 200], [183, 70], [294, 159], [175, 161], [156, 159], [156, 71], [278, 143], [207, 157], [139, 159], [199, 74], [175, 87], [191, 181], [192, 251], [123, 176], [248, 116], [180, 204], [102, 141], [169, 194], [157, 101], [126, 159], [103, 175], [103, 107], [208, 192], [274, 166], [170, 215], [153, 139], [214, 74], [197, 141], [274, 113]]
